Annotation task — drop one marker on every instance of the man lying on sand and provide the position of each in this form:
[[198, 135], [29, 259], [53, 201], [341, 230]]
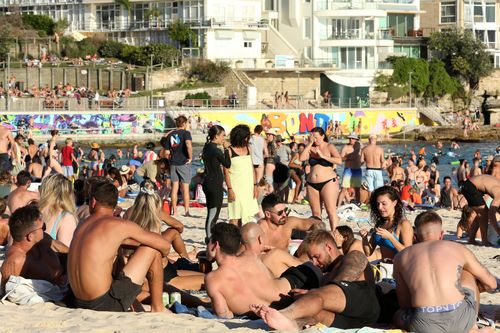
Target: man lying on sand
[[438, 282], [278, 226], [31, 255], [241, 280], [93, 252], [346, 299]]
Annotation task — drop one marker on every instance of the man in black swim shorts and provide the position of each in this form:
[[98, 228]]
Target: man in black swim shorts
[[346, 299]]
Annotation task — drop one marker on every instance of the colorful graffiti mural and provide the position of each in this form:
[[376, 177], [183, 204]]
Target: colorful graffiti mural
[[111, 123], [364, 122]]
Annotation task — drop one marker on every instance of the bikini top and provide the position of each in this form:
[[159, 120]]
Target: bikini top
[[321, 161], [385, 242], [53, 231]]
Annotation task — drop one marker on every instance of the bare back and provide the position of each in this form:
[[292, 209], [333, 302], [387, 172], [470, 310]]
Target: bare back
[[373, 156], [5, 139], [247, 281], [431, 273], [21, 197]]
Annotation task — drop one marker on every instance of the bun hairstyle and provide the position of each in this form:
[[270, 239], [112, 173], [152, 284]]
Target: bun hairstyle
[[321, 132], [213, 131]]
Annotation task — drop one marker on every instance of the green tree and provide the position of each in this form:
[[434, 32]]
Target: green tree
[[181, 33], [440, 82], [127, 5], [419, 69], [43, 23], [464, 56]]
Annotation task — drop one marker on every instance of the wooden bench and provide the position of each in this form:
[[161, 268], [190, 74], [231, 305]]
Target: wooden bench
[[193, 102], [54, 104]]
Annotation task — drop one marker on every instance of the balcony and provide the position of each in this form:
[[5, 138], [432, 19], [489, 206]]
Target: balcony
[[358, 34]]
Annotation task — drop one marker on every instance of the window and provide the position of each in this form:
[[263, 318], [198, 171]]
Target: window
[[247, 44], [448, 12], [307, 27]]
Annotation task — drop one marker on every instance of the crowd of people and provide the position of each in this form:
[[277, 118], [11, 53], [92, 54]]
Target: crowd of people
[[64, 221]]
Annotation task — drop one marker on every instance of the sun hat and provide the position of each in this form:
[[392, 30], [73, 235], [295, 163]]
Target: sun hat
[[124, 169], [272, 131], [353, 135], [94, 145]]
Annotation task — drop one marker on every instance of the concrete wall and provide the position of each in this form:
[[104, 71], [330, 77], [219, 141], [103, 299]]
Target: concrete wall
[[268, 83], [172, 98], [167, 78]]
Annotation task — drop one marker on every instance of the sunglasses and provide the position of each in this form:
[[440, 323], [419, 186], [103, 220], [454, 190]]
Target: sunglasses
[[43, 227], [280, 212]]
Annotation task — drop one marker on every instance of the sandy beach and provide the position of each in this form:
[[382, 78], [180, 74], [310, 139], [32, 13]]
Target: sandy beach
[[51, 318]]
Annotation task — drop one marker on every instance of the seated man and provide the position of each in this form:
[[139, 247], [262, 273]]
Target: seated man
[[92, 256], [277, 260], [278, 226], [346, 299], [21, 196], [31, 255], [241, 280], [474, 190], [449, 195], [438, 282]]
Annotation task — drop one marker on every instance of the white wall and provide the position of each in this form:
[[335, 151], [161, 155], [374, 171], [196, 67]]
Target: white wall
[[232, 48], [235, 10]]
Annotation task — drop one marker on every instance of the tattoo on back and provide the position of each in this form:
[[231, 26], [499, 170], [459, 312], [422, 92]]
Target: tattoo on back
[[458, 284]]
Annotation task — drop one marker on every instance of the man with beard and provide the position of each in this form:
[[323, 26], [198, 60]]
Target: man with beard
[[277, 226], [346, 298]]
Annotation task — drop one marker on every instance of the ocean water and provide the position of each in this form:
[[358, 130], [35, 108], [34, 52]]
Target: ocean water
[[466, 151]]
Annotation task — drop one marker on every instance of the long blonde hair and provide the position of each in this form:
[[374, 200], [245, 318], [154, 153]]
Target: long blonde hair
[[146, 208], [56, 192]]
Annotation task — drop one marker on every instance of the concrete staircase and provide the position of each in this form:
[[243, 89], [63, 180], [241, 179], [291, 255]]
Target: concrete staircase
[[433, 113], [279, 44], [238, 82]]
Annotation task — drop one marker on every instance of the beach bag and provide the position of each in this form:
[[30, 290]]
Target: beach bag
[[25, 291], [383, 270], [200, 195]]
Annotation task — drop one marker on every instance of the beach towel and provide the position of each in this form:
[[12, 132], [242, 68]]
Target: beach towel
[[25, 291]]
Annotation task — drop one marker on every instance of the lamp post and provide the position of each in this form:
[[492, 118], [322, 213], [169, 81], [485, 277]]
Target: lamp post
[[298, 88], [410, 87]]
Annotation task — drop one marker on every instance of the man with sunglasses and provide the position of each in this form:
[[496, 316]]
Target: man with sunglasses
[[278, 226], [31, 255]]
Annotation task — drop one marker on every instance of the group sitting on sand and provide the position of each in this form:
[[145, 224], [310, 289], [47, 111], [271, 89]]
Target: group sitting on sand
[[292, 272]]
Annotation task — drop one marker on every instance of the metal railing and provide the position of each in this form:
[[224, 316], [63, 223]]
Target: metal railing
[[355, 34]]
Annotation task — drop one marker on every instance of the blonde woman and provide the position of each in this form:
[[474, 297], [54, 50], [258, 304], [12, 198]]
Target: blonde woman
[[57, 204], [147, 213]]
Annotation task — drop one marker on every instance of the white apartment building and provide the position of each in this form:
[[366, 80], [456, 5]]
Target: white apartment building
[[227, 29]]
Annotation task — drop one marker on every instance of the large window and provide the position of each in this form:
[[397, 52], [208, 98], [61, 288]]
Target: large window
[[141, 13], [347, 57], [448, 12], [346, 29], [106, 16], [401, 24]]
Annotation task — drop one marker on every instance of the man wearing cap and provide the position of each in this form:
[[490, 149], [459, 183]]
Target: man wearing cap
[[352, 177], [373, 156]]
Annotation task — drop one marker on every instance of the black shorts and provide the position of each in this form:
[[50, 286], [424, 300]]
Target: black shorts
[[472, 194], [169, 272], [119, 298], [361, 308]]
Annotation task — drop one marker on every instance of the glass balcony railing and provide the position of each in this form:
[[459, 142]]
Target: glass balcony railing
[[332, 4], [353, 34]]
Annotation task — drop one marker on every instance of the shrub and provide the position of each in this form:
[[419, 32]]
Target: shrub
[[198, 95], [88, 46], [162, 53], [209, 71], [111, 49]]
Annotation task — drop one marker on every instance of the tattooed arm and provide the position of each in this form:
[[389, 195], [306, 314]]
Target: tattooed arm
[[351, 268]]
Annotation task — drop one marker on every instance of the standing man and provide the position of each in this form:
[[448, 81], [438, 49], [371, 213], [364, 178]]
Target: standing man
[[352, 177], [258, 150], [373, 156], [179, 150], [449, 195], [6, 138]]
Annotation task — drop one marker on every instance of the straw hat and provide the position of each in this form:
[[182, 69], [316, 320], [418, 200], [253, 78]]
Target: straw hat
[[94, 145], [124, 169], [354, 136], [272, 131]]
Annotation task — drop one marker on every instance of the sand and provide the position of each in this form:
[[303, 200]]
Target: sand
[[51, 318]]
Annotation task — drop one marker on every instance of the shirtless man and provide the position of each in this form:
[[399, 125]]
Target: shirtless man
[[411, 169], [93, 252], [346, 299], [21, 196], [494, 168], [31, 255], [373, 156], [277, 226], [241, 280], [432, 298], [473, 190], [352, 177], [277, 260], [6, 138]]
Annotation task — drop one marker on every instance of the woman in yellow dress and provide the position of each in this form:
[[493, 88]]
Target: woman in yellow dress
[[240, 178]]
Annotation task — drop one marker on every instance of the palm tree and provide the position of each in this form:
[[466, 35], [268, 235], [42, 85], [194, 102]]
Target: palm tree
[[127, 5], [155, 13]]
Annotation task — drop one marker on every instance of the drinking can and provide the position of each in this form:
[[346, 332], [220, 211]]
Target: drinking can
[[165, 299], [175, 297]]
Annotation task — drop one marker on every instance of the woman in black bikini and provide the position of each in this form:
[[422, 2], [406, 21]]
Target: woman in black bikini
[[322, 185]]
